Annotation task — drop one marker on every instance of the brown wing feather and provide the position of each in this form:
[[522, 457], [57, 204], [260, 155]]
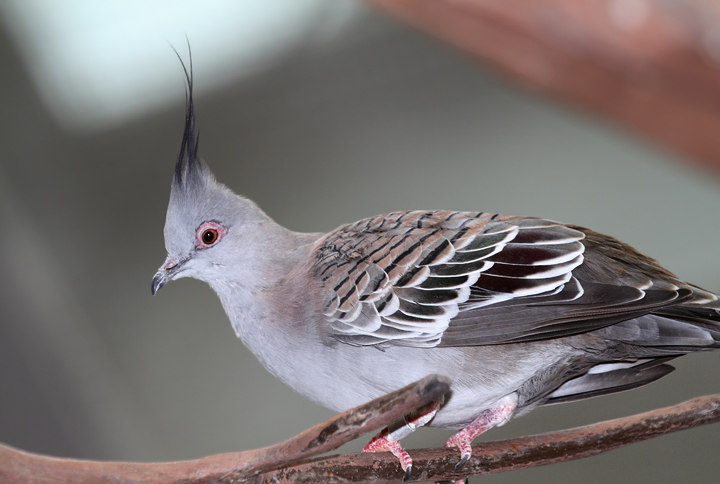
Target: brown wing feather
[[460, 279], [401, 278], [614, 283]]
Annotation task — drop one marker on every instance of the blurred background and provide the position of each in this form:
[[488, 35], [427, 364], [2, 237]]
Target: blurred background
[[323, 112]]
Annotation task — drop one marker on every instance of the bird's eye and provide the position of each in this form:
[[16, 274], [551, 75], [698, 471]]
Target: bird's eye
[[208, 234]]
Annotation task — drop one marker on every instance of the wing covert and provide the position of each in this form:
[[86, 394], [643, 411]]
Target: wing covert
[[401, 278]]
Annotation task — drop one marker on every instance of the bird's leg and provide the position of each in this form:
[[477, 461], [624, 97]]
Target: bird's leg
[[487, 419], [388, 440]]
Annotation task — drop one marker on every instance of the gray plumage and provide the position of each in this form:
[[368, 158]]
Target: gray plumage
[[502, 305]]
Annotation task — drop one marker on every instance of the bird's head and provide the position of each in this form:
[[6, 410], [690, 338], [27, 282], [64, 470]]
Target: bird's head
[[208, 228]]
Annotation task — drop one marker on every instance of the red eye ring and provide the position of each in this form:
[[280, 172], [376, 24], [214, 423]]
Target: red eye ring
[[209, 234]]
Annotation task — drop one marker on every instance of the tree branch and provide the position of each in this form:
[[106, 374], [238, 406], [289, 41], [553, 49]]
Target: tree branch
[[19, 467], [507, 455], [283, 462], [652, 66]]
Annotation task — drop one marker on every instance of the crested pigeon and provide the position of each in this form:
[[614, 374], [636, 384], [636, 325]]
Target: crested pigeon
[[518, 311]]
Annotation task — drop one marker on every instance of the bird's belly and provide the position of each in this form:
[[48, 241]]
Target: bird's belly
[[341, 377]]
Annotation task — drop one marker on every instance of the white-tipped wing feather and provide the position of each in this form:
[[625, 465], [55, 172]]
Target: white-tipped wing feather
[[401, 278]]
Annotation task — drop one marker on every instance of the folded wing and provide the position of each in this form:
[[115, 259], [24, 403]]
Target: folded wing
[[438, 278]]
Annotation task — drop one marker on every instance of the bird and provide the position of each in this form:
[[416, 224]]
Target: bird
[[518, 312]]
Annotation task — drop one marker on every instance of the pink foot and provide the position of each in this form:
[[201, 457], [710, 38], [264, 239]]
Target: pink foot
[[383, 442], [387, 441], [498, 415]]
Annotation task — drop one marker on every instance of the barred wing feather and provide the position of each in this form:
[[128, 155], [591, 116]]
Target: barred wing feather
[[405, 278]]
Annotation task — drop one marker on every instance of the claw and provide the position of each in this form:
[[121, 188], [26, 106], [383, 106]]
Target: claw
[[460, 440], [463, 460], [406, 477]]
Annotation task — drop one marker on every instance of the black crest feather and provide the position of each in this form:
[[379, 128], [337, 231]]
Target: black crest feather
[[188, 168]]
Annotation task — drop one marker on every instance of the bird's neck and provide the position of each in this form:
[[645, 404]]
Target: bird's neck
[[249, 298]]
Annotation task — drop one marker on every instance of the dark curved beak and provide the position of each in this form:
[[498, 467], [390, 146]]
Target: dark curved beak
[[159, 280], [166, 273]]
